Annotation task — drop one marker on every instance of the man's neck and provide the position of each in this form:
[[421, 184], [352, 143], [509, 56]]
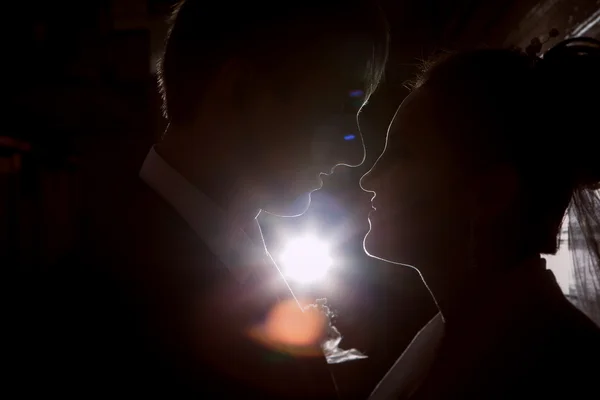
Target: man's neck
[[212, 174]]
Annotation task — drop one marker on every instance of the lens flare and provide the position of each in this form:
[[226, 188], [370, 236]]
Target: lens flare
[[305, 259]]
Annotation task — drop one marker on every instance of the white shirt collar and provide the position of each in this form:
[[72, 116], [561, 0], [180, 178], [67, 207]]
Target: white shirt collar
[[209, 221]]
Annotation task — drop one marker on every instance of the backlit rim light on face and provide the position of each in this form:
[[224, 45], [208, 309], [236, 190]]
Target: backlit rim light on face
[[305, 259]]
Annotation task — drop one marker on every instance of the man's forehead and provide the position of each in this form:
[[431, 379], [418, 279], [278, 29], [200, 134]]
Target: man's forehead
[[335, 58], [353, 56]]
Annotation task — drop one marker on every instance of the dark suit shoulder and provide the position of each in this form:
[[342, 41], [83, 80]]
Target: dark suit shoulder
[[146, 305]]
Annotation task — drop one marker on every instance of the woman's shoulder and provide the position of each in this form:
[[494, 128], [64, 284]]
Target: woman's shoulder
[[565, 348], [572, 321]]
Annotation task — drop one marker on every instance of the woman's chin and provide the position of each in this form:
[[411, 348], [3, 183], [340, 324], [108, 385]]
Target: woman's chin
[[374, 246], [385, 247]]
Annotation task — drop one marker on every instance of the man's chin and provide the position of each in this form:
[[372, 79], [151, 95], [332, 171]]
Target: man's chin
[[294, 208]]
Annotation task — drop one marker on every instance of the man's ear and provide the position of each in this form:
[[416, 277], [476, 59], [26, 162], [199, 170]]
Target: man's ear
[[240, 84], [226, 81]]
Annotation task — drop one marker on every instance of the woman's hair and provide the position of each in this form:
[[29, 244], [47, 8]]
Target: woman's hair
[[538, 113], [541, 114]]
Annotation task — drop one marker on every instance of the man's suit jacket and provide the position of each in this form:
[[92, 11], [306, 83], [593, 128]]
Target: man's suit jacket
[[144, 308]]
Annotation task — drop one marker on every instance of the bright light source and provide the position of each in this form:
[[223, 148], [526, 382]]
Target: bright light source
[[305, 259]]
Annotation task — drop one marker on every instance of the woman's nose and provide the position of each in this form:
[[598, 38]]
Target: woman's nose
[[367, 182], [374, 180]]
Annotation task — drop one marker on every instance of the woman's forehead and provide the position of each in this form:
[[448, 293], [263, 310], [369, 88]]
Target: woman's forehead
[[414, 112], [438, 126], [429, 112]]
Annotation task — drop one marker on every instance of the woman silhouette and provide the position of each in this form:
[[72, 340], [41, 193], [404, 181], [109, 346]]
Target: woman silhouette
[[482, 161]]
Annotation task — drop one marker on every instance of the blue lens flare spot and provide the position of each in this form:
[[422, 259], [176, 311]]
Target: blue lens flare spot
[[349, 137], [356, 93], [357, 103]]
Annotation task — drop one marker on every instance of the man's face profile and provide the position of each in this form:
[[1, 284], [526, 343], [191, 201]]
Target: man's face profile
[[270, 90], [306, 125]]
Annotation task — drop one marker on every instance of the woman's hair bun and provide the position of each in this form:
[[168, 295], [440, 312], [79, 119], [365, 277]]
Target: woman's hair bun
[[570, 75]]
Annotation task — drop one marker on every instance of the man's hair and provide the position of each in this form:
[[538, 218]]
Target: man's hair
[[204, 35]]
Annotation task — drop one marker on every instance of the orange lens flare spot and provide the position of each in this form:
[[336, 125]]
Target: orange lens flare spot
[[288, 325]]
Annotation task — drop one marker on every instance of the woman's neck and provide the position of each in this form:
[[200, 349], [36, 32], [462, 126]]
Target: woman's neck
[[462, 295]]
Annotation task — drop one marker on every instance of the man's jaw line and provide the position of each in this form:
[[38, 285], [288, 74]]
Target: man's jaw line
[[299, 214]]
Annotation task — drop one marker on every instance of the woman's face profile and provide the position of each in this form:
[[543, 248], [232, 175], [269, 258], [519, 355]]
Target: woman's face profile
[[420, 186]]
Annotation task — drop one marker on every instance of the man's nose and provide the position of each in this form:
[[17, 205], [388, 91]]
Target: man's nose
[[349, 149], [354, 153], [339, 142]]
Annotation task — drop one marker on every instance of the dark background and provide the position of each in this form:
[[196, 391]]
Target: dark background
[[80, 96]]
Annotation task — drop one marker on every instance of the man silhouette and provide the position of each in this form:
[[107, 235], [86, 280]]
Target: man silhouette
[[179, 298]]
